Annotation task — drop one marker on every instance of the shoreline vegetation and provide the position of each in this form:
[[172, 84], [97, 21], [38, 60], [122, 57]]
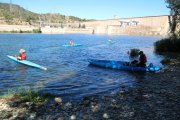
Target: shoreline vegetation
[[22, 31], [171, 44]]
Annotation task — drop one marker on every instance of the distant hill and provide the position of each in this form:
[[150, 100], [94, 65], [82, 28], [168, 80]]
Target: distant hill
[[15, 14]]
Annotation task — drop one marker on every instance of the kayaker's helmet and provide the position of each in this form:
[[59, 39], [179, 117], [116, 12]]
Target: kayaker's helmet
[[22, 51], [140, 52]]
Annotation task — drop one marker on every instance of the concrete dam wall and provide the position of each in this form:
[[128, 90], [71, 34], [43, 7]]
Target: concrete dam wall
[[153, 25]]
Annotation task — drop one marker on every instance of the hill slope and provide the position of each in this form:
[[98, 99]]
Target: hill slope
[[15, 14]]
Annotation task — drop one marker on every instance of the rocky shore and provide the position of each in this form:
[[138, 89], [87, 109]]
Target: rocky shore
[[155, 96]]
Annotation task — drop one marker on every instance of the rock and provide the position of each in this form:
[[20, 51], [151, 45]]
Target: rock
[[95, 108], [15, 114], [131, 114], [122, 92], [60, 118], [86, 101], [113, 101], [146, 96], [32, 115], [58, 100], [29, 103], [4, 106], [105, 115], [68, 105], [73, 117]]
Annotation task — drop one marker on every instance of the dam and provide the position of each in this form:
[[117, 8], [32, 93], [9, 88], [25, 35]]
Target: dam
[[145, 26], [151, 25]]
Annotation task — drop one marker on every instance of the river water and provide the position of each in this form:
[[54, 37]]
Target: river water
[[69, 74]]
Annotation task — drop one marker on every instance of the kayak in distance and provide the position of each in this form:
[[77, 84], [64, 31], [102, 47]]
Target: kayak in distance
[[122, 65], [28, 63], [110, 42], [73, 45]]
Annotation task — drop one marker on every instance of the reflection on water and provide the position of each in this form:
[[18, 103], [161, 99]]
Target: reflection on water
[[69, 74]]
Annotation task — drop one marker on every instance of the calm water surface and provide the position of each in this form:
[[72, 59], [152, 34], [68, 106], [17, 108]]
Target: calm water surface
[[69, 74]]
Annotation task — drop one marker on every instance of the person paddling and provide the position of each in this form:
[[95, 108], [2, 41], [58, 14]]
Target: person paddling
[[71, 42], [109, 40], [22, 55]]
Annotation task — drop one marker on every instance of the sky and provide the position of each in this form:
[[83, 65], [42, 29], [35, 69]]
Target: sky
[[96, 9]]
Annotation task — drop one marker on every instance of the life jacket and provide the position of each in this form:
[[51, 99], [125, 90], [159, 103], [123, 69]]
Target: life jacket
[[23, 56]]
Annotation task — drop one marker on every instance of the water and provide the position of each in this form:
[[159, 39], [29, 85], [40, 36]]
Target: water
[[69, 74]]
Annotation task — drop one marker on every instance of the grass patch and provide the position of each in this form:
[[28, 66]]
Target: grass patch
[[31, 96], [5, 114], [168, 45], [26, 95]]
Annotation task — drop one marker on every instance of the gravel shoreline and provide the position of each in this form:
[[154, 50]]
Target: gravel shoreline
[[155, 96]]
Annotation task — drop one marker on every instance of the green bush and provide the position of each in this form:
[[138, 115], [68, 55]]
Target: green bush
[[27, 31], [168, 45], [36, 31]]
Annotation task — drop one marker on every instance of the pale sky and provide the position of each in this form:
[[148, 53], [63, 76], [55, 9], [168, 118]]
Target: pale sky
[[96, 9]]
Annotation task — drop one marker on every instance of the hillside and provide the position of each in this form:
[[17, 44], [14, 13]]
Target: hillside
[[15, 14]]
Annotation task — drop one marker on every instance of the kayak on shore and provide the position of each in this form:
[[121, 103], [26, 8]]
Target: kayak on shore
[[28, 63], [122, 65], [73, 45]]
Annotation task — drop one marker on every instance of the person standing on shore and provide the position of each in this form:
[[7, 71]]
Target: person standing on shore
[[22, 55]]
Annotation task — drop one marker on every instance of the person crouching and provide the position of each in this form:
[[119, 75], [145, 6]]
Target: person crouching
[[142, 59]]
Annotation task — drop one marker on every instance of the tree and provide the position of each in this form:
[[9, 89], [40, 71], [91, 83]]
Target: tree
[[174, 18]]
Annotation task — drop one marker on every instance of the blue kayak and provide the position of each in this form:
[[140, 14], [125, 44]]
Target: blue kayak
[[28, 63], [74, 45], [121, 65]]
